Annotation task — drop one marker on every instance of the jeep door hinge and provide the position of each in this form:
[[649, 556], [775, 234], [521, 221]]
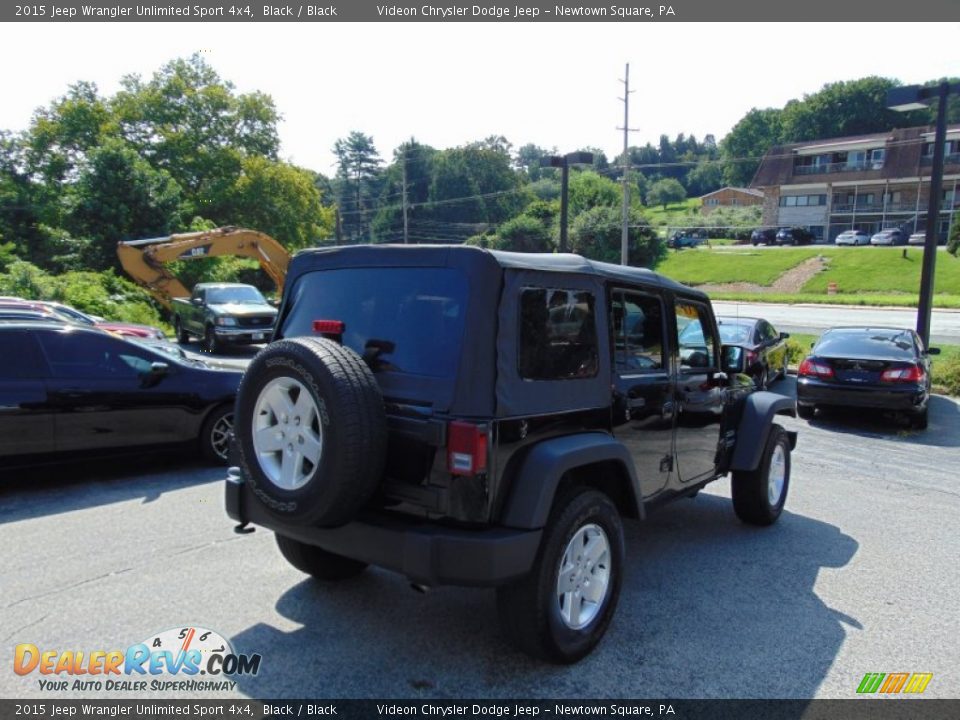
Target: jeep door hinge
[[666, 464]]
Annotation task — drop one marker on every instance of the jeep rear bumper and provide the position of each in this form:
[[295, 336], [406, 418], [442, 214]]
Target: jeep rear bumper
[[427, 553]]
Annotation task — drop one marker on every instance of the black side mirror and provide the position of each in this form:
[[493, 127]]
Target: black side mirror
[[732, 359], [933, 351], [784, 336]]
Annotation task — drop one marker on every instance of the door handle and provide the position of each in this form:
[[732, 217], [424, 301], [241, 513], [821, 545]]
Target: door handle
[[668, 409]]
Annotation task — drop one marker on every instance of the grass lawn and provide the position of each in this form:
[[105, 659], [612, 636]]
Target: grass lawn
[[883, 270], [702, 265], [864, 276], [658, 215]]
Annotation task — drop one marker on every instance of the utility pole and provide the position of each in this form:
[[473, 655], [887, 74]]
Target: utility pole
[[625, 232], [403, 160]]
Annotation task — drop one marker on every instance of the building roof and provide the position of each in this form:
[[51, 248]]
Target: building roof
[[904, 147], [748, 191]]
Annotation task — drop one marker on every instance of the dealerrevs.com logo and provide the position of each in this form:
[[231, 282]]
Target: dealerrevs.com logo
[[181, 659]]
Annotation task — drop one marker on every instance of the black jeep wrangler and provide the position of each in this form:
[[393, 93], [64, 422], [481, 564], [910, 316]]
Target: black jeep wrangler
[[481, 418]]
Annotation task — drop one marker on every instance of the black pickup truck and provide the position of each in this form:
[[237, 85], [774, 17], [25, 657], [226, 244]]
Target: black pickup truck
[[222, 314]]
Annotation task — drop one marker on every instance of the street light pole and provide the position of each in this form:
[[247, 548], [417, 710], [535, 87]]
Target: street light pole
[[563, 162], [927, 273], [915, 97]]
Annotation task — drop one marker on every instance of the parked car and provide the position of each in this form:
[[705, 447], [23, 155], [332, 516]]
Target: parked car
[[765, 349], [22, 313], [66, 312], [470, 417], [867, 367], [681, 240], [853, 237], [764, 236], [890, 236], [70, 391], [117, 327], [794, 236], [917, 238], [223, 314]]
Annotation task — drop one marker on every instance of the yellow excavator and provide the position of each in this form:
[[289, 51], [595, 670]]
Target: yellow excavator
[[145, 260]]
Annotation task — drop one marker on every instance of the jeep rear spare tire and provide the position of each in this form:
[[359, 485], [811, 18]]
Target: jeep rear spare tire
[[311, 431]]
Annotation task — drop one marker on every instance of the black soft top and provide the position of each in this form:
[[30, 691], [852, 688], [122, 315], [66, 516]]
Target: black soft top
[[478, 258], [487, 382]]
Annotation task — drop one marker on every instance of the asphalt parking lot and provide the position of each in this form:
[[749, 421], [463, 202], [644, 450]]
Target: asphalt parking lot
[[860, 575]]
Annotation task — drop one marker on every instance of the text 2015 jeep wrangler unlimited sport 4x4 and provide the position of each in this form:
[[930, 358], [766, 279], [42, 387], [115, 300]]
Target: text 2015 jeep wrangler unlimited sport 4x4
[[482, 418]]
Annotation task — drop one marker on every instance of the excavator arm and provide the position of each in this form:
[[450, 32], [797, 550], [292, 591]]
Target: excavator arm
[[146, 260]]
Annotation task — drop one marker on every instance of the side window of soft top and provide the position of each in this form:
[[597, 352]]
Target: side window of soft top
[[558, 334]]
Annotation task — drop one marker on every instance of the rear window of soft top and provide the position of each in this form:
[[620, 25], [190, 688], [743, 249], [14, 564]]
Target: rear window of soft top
[[405, 320]]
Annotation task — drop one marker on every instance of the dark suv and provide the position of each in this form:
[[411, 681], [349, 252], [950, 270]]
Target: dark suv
[[481, 418]]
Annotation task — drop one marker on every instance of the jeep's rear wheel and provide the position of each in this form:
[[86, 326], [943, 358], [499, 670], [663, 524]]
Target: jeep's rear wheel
[[318, 562], [311, 431], [759, 495], [562, 608]]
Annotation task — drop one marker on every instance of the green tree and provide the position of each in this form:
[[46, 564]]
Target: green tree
[[282, 201], [358, 171], [189, 122], [597, 234], [748, 141], [953, 242], [587, 190], [412, 164], [475, 184], [845, 108], [704, 177], [119, 196], [666, 191]]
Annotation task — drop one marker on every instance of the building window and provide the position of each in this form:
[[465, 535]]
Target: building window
[[712, 201]]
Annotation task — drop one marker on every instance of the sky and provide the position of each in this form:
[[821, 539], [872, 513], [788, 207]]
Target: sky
[[553, 84]]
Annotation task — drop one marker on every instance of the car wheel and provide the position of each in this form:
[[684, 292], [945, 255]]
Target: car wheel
[[210, 342], [562, 608], [311, 431], [216, 435], [919, 420], [318, 562], [806, 411], [182, 335], [759, 495]]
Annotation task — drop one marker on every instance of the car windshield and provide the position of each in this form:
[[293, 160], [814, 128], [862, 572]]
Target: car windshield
[[867, 342], [734, 332], [222, 296]]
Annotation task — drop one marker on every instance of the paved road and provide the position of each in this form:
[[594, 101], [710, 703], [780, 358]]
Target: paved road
[[944, 326], [860, 575]]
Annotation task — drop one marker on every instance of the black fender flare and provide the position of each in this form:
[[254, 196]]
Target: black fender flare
[[759, 409], [537, 478]]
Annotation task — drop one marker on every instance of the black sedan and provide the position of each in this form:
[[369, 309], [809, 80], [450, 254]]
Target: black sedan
[[864, 367], [765, 349], [68, 391]]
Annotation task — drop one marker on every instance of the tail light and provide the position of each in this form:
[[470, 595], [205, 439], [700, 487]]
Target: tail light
[[330, 329], [911, 373], [814, 368], [466, 448]]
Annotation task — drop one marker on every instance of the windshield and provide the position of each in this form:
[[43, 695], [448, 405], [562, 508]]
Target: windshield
[[867, 342], [222, 296], [407, 320]]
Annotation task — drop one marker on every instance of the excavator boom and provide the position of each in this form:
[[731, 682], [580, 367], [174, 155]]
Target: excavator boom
[[146, 260]]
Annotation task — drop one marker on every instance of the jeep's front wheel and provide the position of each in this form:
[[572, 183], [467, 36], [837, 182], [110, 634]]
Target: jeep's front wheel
[[318, 562], [562, 608], [759, 495], [311, 431]]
